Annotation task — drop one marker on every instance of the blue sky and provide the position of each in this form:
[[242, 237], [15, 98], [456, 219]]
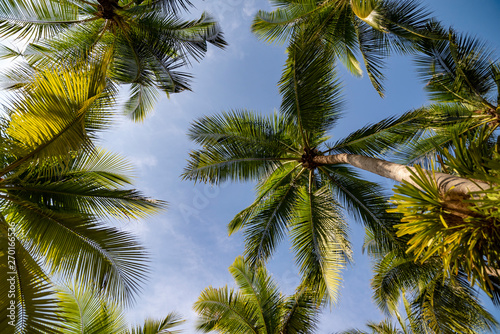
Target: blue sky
[[189, 243]]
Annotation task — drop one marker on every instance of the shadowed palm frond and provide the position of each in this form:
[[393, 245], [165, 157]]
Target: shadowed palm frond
[[28, 298]]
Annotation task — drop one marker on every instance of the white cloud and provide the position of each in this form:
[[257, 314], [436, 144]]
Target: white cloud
[[143, 161]]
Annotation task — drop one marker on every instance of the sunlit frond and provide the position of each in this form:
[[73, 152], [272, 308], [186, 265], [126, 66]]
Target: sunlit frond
[[320, 239]]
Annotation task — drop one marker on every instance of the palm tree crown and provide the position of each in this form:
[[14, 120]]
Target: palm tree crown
[[56, 192], [294, 193], [145, 41], [256, 307], [350, 27]]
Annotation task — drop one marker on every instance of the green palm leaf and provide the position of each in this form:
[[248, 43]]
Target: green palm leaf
[[256, 307], [237, 145], [310, 90], [271, 215], [31, 19], [114, 262], [84, 311], [163, 326], [25, 284], [319, 238], [59, 112]]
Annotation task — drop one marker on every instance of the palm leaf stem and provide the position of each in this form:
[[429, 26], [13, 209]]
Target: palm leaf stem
[[3, 18]]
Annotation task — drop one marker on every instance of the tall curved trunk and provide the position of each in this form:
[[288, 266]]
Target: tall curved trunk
[[397, 172]]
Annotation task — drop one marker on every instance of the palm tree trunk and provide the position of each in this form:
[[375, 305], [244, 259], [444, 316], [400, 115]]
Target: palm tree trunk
[[446, 183]]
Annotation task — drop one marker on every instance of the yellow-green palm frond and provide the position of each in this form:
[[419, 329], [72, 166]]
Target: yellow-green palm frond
[[59, 111]]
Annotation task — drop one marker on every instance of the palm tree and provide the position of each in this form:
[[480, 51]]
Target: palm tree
[[256, 306], [302, 181], [350, 27], [295, 193], [56, 192], [145, 41], [83, 311]]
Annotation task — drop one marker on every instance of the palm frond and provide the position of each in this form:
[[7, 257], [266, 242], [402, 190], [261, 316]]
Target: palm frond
[[373, 46], [188, 39], [319, 239], [282, 176], [163, 326], [86, 311], [395, 274], [451, 306], [301, 313], [141, 101], [408, 22], [226, 311], [169, 6], [28, 298], [32, 20], [261, 291], [458, 69], [310, 89], [363, 200], [443, 120], [277, 26], [271, 214], [76, 247], [238, 145], [385, 136], [59, 112]]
